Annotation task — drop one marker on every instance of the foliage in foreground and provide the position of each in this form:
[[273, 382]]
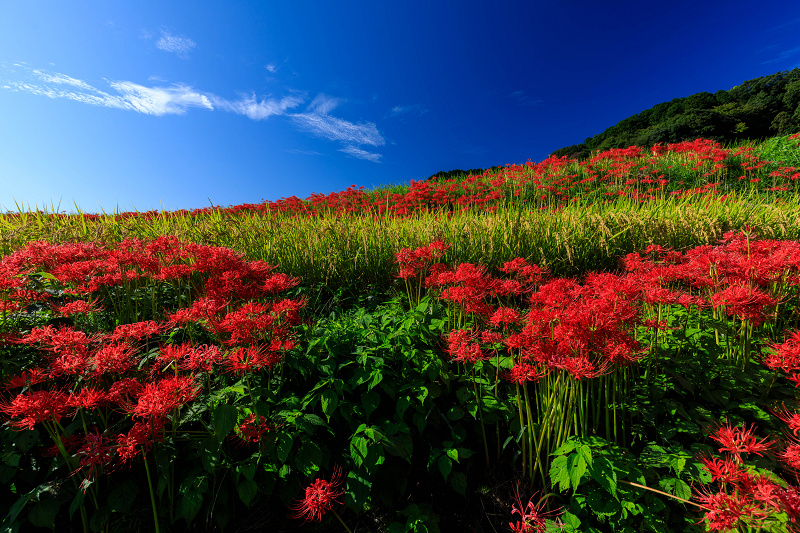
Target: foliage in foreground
[[174, 381]]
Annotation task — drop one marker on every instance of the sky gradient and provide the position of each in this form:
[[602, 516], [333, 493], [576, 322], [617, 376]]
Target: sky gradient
[[166, 105]]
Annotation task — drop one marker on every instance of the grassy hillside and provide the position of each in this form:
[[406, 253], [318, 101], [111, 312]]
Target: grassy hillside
[[754, 110], [608, 344]]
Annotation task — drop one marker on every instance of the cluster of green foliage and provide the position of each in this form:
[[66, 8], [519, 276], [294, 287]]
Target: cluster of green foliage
[[756, 109], [456, 173]]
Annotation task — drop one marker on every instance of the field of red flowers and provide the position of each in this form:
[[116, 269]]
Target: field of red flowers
[[163, 385]]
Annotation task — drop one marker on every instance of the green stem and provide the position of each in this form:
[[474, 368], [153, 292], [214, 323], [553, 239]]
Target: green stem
[[152, 496], [341, 521], [480, 416]]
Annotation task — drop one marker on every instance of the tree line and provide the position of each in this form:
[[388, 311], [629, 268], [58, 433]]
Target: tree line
[[757, 109]]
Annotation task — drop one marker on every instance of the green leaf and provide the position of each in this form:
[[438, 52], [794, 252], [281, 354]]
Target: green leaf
[[329, 400], [285, 442], [566, 448], [586, 453], [122, 496], [571, 521], [452, 453], [455, 413], [77, 501], [601, 505], [459, 483], [402, 404], [191, 502], [602, 471], [677, 487], [357, 491], [577, 468], [445, 465], [43, 513], [370, 401], [314, 419], [559, 474], [209, 453], [247, 489], [309, 458], [358, 449]]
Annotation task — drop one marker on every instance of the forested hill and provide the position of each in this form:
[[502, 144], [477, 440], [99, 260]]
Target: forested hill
[[756, 109]]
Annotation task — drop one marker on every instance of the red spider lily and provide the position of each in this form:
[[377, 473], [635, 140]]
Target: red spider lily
[[739, 440], [319, 497], [35, 406], [202, 309], [246, 325], [723, 470], [202, 358], [581, 367], [113, 358], [462, 348], [791, 456], [78, 307], [125, 392], [139, 439], [251, 359], [70, 443], [289, 310], [159, 398], [724, 511], [522, 373], [785, 356], [491, 337], [60, 340], [790, 501], [524, 271], [504, 315], [791, 419], [172, 354], [137, 330], [87, 398], [413, 262], [532, 518], [95, 454], [27, 378], [253, 428], [745, 302], [278, 282], [763, 490]]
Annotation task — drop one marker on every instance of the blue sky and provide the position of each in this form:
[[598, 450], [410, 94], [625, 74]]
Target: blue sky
[[148, 105]]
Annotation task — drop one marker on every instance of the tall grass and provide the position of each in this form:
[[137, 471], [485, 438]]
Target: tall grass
[[350, 248]]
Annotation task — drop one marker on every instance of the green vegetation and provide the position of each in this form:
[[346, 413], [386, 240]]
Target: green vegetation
[[601, 345], [755, 110]]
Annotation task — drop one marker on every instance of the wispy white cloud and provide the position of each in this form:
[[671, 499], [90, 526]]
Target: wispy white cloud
[[171, 100], [303, 152], [255, 109], [337, 129], [400, 110], [176, 99], [62, 79], [272, 69], [524, 99], [160, 100], [178, 44], [361, 154], [784, 55], [323, 104], [317, 121]]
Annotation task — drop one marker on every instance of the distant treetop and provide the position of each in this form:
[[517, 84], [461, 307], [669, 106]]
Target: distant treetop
[[756, 109]]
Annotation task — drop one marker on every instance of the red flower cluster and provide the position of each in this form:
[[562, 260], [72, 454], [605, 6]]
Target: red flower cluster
[[128, 384], [744, 497], [319, 497]]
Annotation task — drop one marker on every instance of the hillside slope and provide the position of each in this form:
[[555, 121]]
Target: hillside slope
[[756, 109]]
